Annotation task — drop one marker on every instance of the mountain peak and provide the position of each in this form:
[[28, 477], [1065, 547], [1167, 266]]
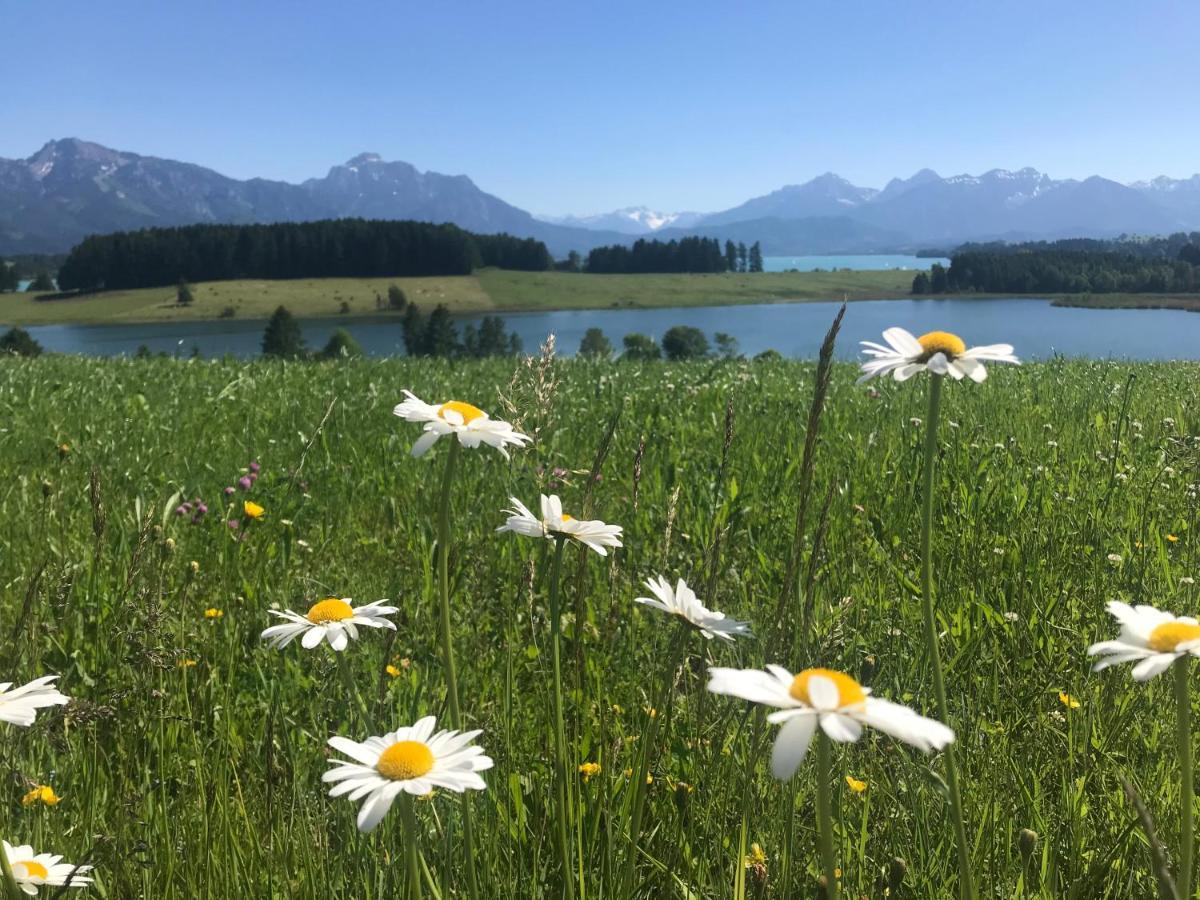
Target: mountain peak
[[364, 158]]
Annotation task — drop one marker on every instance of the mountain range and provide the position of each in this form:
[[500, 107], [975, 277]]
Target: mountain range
[[72, 188]]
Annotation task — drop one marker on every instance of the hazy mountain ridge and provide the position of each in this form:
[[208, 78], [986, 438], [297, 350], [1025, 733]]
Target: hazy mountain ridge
[[71, 188]]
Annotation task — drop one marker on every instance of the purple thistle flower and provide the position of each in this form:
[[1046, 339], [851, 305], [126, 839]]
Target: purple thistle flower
[[254, 467], [234, 524], [244, 482], [229, 491]]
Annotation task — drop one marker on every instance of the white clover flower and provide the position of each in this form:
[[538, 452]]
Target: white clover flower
[[833, 700], [471, 424], [412, 760], [555, 523], [20, 706], [34, 870], [681, 601], [331, 619], [1154, 637], [940, 352]]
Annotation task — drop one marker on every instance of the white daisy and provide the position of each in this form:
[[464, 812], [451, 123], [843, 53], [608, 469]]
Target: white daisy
[[33, 870], [554, 522], [940, 352], [1154, 637], [681, 601], [20, 706], [470, 423], [822, 696], [329, 619], [412, 759]]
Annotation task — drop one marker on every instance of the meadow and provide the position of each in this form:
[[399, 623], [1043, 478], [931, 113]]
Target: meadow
[[189, 763], [486, 291]]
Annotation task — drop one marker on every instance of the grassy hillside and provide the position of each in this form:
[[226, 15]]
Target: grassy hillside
[[190, 762], [490, 289]]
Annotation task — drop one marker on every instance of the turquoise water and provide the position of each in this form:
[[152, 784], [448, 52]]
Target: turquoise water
[[858, 261], [1036, 328]]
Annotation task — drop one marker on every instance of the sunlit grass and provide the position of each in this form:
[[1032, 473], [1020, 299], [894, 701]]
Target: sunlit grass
[[190, 764]]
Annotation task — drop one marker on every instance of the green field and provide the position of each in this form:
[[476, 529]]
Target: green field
[[189, 764], [489, 289]]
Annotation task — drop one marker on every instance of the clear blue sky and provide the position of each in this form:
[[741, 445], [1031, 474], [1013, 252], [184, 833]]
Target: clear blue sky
[[584, 107]]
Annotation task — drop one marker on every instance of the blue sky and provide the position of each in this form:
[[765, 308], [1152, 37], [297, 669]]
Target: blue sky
[[585, 107]]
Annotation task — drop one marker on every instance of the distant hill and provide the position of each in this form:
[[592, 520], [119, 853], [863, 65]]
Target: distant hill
[[70, 189]]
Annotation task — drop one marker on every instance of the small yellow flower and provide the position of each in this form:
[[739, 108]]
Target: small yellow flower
[[43, 793], [1067, 700], [855, 785], [589, 770], [64, 449], [213, 613], [649, 778], [628, 773], [652, 712], [392, 670], [616, 709], [252, 509], [1172, 538], [187, 663], [756, 856]]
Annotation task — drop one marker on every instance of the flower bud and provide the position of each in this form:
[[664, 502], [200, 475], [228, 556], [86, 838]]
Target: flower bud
[[1027, 842], [897, 869]]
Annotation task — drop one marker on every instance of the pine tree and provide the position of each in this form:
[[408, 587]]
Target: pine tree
[[594, 343], [41, 283], [282, 337], [341, 345], [756, 257], [441, 337], [19, 342], [731, 257], [414, 331], [183, 294], [396, 298], [741, 253], [639, 347]]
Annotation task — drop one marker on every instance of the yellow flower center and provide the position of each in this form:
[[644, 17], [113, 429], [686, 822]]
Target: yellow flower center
[[1169, 635], [850, 692], [34, 869], [404, 760], [329, 610], [468, 412], [941, 342]]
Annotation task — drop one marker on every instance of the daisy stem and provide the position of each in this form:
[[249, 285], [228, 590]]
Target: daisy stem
[[1187, 800], [443, 561], [11, 889], [560, 741], [413, 863], [825, 814], [966, 885]]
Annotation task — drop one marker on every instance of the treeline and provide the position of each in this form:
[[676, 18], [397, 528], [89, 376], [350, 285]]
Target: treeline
[[357, 248], [1153, 248], [689, 254], [1069, 267]]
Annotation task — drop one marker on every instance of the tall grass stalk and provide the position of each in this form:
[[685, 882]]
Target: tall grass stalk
[[966, 884], [825, 813], [448, 648], [10, 881], [1187, 796], [412, 857]]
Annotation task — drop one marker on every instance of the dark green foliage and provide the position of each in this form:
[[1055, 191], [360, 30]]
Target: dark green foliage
[[920, 283], [341, 345], [19, 342], [1190, 253], [282, 337], [731, 256], [396, 298], [491, 339], [41, 283], [640, 347], [684, 342], [727, 345], [183, 294], [595, 343], [938, 281], [414, 330], [756, 257], [741, 257], [227, 312], [331, 249], [1075, 266], [10, 278], [689, 254], [441, 337], [573, 263], [769, 355]]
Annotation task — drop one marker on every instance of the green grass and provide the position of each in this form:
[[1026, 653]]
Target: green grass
[[490, 289], [202, 781]]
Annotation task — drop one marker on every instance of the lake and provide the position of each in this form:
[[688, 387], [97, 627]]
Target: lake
[[860, 261], [1034, 327]]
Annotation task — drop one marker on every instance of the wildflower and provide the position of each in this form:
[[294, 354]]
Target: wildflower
[[245, 483], [589, 770], [230, 490], [234, 524], [213, 613], [254, 468], [187, 663], [1011, 616], [252, 509], [756, 856], [471, 424], [329, 619], [834, 700], [43, 794], [1115, 558], [1154, 637], [194, 568], [412, 760], [392, 671], [681, 601], [1172, 538], [33, 870], [1067, 700], [1187, 579], [938, 351], [855, 785], [19, 707], [64, 450], [555, 523]]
